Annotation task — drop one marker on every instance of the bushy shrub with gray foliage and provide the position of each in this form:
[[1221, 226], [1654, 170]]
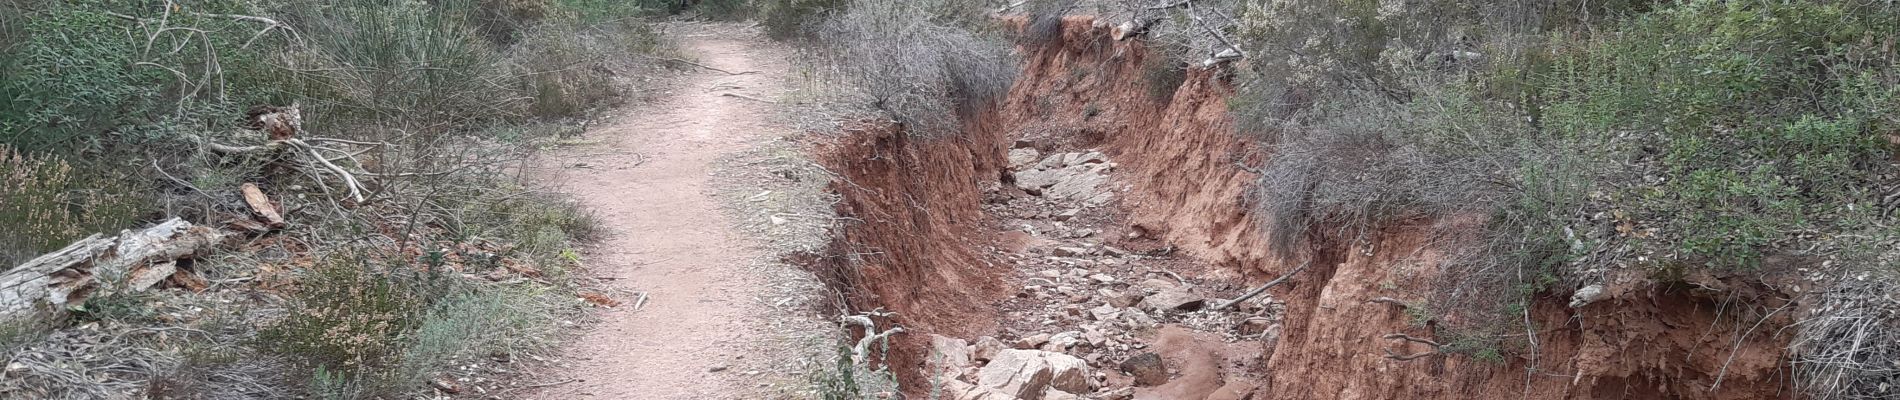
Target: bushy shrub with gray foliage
[[929, 75]]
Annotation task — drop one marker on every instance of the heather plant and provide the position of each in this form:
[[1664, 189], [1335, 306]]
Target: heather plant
[[48, 203]]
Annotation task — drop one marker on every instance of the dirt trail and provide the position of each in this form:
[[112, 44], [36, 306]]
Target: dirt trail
[[649, 181]]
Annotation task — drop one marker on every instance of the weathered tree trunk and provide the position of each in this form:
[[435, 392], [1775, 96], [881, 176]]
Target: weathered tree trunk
[[133, 260]]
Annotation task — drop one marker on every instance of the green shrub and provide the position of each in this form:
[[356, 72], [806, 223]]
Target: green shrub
[[1757, 112]]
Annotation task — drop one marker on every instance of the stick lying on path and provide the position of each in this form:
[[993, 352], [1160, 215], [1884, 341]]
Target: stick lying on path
[[1263, 288]]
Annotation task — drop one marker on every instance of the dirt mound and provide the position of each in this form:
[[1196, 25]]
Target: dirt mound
[[927, 249]]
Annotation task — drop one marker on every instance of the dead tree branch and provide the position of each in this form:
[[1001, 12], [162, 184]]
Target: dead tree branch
[[861, 353], [1263, 288], [1390, 301], [1436, 347], [1414, 339], [1409, 357]]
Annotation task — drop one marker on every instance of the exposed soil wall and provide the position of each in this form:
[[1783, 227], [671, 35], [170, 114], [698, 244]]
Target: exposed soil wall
[[912, 229], [1181, 162]]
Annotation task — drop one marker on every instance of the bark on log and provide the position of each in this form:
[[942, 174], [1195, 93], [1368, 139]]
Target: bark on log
[[262, 206], [133, 260]]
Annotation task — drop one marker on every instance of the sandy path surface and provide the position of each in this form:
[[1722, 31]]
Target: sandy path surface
[[648, 180]]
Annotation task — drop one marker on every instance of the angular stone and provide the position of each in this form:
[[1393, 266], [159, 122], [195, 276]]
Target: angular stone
[[1019, 158], [1054, 161], [1075, 184], [1139, 319], [1125, 300], [960, 390], [1053, 394], [1069, 251], [1032, 341], [986, 348], [1147, 369], [1063, 341], [1105, 313], [1028, 374], [1070, 374], [1034, 181], [948, 356], [1173, 299]]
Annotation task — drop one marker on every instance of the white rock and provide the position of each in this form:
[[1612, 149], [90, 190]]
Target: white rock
[[1019, 158], [1028, 374], [1586, 295], [949, 355]]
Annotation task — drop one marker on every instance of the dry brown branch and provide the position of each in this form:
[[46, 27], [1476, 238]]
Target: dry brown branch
[[748, 98], [1389, 301], [1263, 288], [1436, 347], [861, 354], [1414, 339], [1409, 357], [703, 66]]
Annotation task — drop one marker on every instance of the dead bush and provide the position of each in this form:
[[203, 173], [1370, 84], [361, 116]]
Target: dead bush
[[798, 19], [1163, 75], [1045, 21], [926, 74], [1847, 349]]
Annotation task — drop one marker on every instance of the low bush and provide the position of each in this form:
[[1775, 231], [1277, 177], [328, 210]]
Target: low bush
[[1701, 135], [927, 74], [798, 19]]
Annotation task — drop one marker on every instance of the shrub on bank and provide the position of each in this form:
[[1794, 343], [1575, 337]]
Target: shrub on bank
[[1676, 137]]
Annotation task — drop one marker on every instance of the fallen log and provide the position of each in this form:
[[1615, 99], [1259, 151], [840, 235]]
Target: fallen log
[[131, 261]]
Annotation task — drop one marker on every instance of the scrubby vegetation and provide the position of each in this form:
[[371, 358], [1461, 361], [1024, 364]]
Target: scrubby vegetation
[[415, 240], [927, 64], [1594, 138]]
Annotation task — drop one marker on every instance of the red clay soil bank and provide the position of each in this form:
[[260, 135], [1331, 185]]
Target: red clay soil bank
[[913, 253], [1180, 155], [917, 251]]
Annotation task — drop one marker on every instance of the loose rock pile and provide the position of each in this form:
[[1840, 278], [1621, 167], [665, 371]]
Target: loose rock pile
[[1084, 320]]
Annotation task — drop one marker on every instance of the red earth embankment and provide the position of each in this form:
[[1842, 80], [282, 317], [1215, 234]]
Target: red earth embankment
[[920, 251]]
